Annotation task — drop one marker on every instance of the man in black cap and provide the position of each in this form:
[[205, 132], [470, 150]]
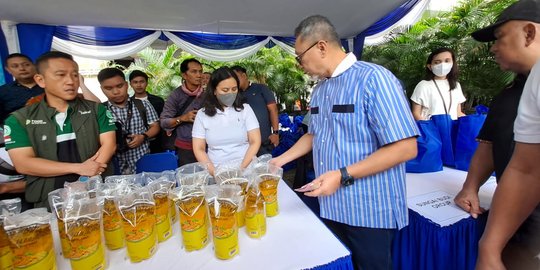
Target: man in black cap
[[516, 48]]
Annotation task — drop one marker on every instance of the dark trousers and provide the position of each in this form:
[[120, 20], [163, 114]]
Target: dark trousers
[[185, 156], [371, 248]]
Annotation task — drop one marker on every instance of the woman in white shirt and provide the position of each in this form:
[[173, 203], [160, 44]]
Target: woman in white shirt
[[228, 127], [440, 92]]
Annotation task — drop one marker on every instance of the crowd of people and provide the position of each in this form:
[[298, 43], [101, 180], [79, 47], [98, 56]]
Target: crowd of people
[[361, 132], [53, 134]]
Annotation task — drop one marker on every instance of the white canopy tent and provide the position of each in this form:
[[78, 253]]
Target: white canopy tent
[[182, 22], [269, 18]]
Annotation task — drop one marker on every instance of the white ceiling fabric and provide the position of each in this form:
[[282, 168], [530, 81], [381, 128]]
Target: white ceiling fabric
[[270, 18]]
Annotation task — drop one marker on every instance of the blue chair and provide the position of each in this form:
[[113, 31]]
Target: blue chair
[[157, 162]]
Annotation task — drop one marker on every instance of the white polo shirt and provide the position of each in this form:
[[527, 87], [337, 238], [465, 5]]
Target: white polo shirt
[[225, 133], [527, 124]]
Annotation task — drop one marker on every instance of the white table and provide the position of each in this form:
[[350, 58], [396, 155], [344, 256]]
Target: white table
[[295, 239], [445, 244], [448, 181]]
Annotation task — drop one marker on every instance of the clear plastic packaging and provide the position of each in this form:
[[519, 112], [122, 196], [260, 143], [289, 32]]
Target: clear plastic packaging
[[30, 239], [231, 173], [170, 176], [255, 212], [56, 202], [82, 221], [7, 208], [160, 191], [135, 179], [90, 184], [223, 202], [111, 220], [192, 174], [138, 212], [267, 177], [264, 158], [192, 212]]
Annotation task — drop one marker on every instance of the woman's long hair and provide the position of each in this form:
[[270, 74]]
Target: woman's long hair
[[452, 77], [211, 103]]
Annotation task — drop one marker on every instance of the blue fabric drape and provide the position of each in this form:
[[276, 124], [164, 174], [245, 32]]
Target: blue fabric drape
[[219, 42], [391, 18], [383, 23], [35, 39], [100, 36], [425, 245], [359, 46], [345, 45], [287, 40], [343, 263], [4, 75]]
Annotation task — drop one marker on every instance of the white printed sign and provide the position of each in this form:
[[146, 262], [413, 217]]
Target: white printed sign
[[438, 206]]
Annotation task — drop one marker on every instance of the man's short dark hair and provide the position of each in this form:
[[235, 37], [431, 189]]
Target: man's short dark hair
[[184, 66], [238, 68], [15, 55], [42, 61], [137, 73], [108, 73], [317, 27]]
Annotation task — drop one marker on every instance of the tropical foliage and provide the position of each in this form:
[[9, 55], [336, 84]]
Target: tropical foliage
[[405, 53], [273, 67]]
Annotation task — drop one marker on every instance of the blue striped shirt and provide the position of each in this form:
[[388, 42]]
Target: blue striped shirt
[[354, 114]]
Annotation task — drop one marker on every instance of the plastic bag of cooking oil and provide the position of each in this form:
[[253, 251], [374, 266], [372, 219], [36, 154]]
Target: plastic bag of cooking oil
[[112, 223], [82, 222], [30, 239], [135, 179], [160, 191], [192, 174], [138, 213], [7, 208], [192, 213], [170, 176], [264, 158], [152, 176], [90, 184], [56, 202], [268, 177], [223, 202], [255, 216], [231, 173]]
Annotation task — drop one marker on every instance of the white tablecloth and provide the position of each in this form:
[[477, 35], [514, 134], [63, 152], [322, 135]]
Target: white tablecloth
[[295, 239], [447, 181]]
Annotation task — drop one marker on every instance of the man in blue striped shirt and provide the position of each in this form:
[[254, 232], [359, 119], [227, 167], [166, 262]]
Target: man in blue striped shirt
[[361, 133]]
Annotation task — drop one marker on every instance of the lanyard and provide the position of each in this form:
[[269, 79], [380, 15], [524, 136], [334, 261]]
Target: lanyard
[[440, 94]]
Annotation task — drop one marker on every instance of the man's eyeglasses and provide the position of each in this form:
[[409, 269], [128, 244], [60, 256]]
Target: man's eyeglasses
[[299, 57]]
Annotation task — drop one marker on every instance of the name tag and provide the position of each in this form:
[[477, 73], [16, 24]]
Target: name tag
[[344, 108], [314, 110]]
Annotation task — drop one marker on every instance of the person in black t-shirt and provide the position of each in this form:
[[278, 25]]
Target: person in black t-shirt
[[14, 95], [495, 148]]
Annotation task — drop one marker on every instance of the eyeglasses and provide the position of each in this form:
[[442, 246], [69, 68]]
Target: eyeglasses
[[299, 57]]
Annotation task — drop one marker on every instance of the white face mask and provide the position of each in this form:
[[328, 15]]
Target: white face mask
[[441, 69]]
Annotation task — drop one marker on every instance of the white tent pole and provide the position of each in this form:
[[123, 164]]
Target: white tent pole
[[12, 37]]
